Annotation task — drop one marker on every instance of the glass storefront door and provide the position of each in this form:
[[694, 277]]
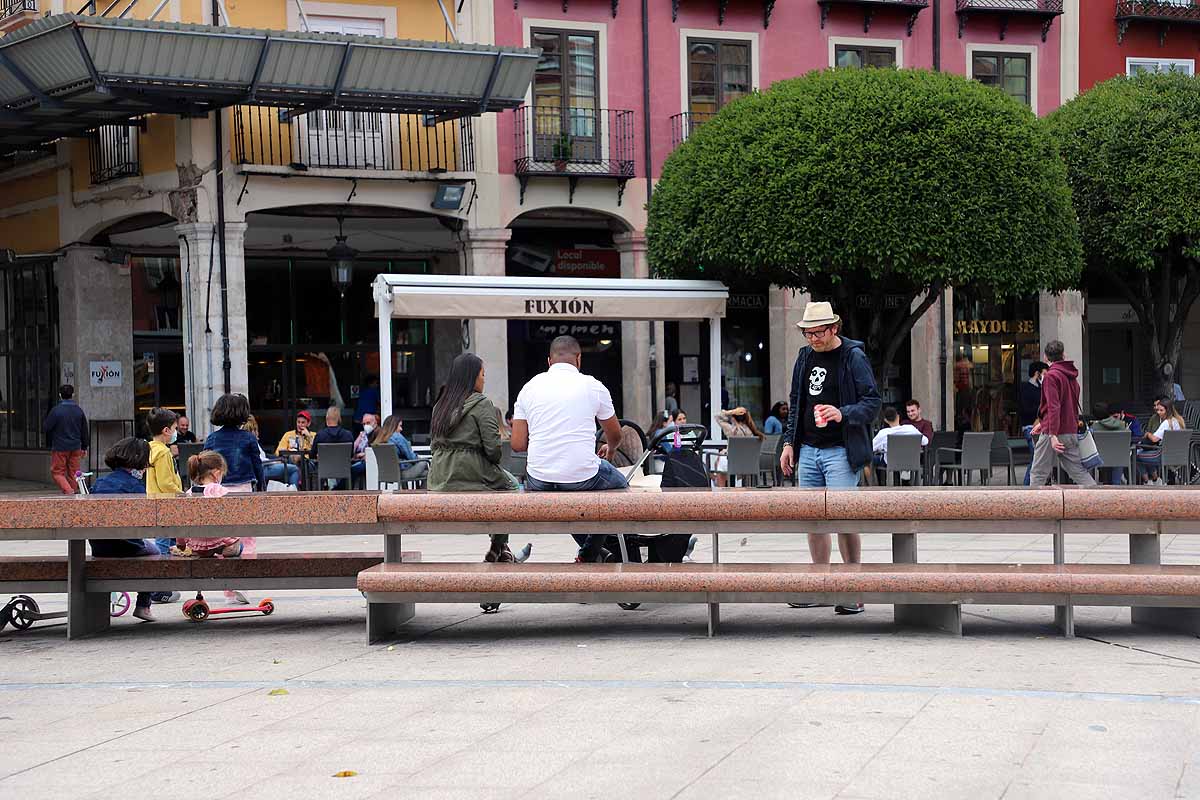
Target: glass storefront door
[[994, 343]]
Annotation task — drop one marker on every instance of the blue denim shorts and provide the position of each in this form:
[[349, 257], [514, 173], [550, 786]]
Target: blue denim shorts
[[826, 468]]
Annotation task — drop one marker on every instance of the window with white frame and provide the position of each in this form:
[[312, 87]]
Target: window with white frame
[[1008, 72], [860, 55], [1138, 66]]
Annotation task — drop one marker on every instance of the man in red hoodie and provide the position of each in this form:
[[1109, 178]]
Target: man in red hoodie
[[1058, 421]]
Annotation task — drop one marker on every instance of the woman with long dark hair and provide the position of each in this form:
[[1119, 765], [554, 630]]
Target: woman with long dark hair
[[465, 433]]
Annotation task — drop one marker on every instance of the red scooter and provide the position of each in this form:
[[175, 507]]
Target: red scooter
[[198, 609]]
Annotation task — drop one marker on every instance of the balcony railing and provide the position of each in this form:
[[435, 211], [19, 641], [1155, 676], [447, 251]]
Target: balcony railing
[[869, 7], [1162, 12], [114, 153], [1045, 10], [10, 7], [574, 143], [685, 124], [352, 141]]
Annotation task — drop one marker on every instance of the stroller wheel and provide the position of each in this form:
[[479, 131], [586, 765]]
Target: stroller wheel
[[630, 606]]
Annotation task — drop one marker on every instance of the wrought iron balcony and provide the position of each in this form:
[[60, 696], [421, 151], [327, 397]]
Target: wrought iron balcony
[[573, 143], [10, 7], [351, 141], [114, 152], [685, 124], [1045, 10], [870, 7], [1162, 13]]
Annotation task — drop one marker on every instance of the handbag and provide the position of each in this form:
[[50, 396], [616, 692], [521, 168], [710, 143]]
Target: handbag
[[1089, 454]]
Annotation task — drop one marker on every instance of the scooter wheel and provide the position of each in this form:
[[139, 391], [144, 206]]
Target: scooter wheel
[[630, 606], [267, 608], [196, 610], [118, 604], [24, 612]]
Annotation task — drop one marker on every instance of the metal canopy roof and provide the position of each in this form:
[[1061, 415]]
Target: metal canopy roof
[[67, 73]]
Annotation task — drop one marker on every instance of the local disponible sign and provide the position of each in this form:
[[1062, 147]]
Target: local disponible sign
[[105, 373]]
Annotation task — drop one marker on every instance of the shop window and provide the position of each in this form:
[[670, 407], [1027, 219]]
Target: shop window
[[1137, 66], [1009, 72], [994, 343], [847, 55], [29, 376]]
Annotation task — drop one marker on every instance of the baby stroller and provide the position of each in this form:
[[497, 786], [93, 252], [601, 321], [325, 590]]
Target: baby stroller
[[679, 448]]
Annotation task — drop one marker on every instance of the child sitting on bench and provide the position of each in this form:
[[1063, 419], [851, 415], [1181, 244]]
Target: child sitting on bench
[[205, 470]]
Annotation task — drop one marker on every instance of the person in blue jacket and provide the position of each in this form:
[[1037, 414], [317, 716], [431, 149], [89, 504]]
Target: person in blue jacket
[[239, 447], [128, 460], [832, 407]]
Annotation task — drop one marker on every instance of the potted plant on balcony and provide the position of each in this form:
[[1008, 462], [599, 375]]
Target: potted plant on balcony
[[562, 152]]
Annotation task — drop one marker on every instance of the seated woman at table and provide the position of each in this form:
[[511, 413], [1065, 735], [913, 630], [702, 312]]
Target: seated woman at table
[[734, 423], [273, 468], [128, 460], [412, 468], [466, 445], [1149, 457]]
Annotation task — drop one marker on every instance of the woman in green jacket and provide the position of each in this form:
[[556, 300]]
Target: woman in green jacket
[[466, 445]]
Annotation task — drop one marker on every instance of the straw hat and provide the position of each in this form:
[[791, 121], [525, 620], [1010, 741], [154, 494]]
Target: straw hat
[[818, 315]]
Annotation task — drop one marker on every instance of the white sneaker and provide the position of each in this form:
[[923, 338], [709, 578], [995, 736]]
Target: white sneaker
[[236, 598], [144, 614]]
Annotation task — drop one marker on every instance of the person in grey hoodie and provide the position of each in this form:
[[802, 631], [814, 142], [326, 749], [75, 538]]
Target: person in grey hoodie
[[1058, 422]]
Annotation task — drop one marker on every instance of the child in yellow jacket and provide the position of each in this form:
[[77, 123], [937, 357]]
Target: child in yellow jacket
[[161, 476]]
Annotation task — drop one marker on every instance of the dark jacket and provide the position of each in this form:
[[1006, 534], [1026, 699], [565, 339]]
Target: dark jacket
[[118, 481], [860, 402], [1029, 398], [334, 435], [467, 459], [1059, 410], [241, 453], [66, 427]]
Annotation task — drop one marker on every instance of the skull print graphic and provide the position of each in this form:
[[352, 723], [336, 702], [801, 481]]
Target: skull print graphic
[[816, 380]]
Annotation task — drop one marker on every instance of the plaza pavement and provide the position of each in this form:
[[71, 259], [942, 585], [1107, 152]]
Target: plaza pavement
[[549, 701]]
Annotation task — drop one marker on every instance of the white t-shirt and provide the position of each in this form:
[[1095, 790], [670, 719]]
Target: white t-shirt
[[1169, 424], [879, 445], [561, 407]]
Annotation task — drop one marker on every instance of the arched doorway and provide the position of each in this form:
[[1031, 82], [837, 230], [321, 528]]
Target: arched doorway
[[566, 243]]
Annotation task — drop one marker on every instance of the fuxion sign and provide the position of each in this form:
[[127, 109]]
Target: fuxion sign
[[574, 308]]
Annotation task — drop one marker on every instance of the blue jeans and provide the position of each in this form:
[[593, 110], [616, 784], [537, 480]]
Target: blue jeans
[[606, 478], [283, 472], [1027, 430], [825, 468]]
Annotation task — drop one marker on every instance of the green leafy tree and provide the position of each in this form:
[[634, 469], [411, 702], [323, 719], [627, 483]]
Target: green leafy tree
[[874, 188], [1132, 149]]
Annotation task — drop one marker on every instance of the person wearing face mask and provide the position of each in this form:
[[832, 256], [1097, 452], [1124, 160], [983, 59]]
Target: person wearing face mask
[[162, 477], [128, 460], [370, 423], [1028, 400]]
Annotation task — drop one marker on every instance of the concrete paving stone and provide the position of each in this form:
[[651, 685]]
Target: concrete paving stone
[[391, 754], [435, 724], [496, 767], [771, 788], [190, 779], [867, 702], [293, 785], [989, 713], [613, 781], [1150, 769], [404, 790], [1057, 790], [904, 778], [964, 744]]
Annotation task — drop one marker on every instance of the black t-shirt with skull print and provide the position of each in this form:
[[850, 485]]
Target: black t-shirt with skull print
[[822, 389]]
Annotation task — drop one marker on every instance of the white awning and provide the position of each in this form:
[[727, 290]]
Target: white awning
[[486, 297]]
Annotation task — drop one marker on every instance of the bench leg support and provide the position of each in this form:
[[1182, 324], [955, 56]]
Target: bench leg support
[[1146, 548], [1064, 620], [384, 620], [939, 617], [87, 612], [714, 619]]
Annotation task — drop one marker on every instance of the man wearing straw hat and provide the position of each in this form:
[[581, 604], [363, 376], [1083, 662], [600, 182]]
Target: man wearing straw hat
[[833, 405]]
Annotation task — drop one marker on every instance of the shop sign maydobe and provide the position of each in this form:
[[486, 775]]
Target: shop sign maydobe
[[1016, 327]]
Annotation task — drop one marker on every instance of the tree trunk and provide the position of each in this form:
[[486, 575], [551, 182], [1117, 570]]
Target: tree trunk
[[1150, 298]]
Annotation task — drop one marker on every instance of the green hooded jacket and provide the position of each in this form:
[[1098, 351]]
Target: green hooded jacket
[[467, 459]]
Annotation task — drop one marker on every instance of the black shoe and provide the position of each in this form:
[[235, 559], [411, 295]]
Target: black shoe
[[596, 556], [490, 608], [857, 608]]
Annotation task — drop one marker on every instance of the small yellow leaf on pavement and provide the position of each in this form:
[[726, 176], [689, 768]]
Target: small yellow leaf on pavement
[[277, 692], [346, 773]]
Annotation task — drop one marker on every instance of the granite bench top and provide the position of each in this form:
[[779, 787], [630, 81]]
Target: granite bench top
[[261, 565], [286, 509], [1089, 579]]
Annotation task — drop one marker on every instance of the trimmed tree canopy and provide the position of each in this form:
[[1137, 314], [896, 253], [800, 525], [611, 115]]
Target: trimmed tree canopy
[[1132, 148], [869, 181]]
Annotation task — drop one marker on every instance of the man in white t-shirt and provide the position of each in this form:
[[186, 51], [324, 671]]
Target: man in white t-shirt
[[893, 428], [554, 420]]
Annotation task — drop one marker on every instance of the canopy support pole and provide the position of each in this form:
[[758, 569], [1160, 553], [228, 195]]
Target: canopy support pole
[[714, 375], [383, 309]]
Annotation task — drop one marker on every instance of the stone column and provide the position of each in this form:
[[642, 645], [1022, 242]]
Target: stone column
[[485, 249], [786, 308], [204, 377], [95, 302], [637, 395], [926, 355], [1060, 316]]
